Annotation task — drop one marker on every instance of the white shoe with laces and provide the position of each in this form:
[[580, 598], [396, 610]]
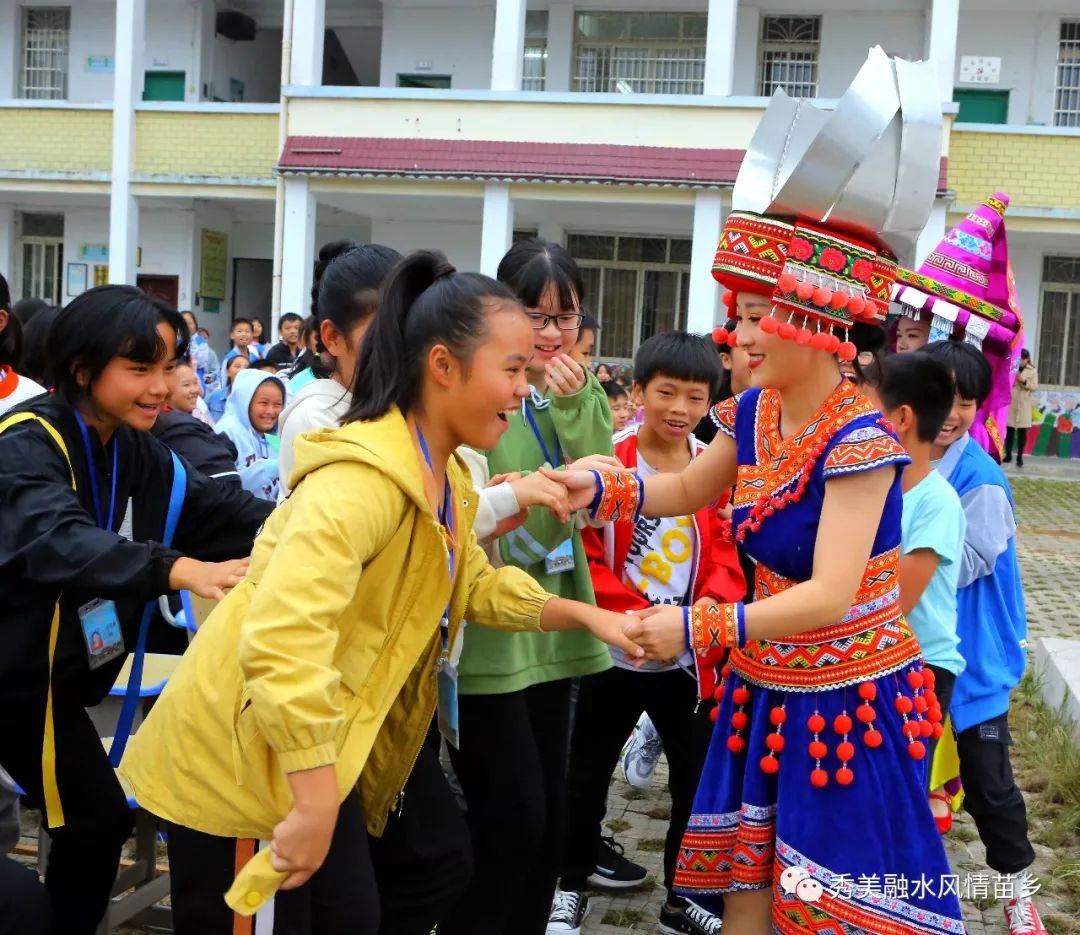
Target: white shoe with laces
[[1022, 918], [568, 912]]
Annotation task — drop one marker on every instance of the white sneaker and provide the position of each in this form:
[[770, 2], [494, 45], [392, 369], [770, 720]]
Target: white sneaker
[[641, 753], [568, 912]]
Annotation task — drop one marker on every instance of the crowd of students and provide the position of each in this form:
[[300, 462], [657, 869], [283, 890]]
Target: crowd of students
[[403, 474]]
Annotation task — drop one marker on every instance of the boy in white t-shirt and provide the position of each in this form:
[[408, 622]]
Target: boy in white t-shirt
[[915, 392]]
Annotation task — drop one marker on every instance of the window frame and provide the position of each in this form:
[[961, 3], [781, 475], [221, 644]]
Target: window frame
[[1067, 116], [767, 85], [1069, 365], [57, 88]]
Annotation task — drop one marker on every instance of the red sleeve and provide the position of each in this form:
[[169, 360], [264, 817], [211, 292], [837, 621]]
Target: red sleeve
[[611, 593], [720, 576]]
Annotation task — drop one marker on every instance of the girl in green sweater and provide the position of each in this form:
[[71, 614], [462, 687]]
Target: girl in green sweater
[[515, 687]]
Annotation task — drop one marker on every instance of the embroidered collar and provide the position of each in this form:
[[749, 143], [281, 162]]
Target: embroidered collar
[[9, 379]]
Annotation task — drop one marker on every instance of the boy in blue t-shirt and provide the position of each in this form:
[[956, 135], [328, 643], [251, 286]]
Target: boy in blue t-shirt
[[916, 393], [992, 624]]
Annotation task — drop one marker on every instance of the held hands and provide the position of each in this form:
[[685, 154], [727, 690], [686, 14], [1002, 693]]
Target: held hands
[[301, 841], [540, 490], [565, 375], [659, 630], [207, 579], [610, 627]]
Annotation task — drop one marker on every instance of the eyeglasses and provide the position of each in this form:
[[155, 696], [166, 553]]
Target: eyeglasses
[[564, 321]]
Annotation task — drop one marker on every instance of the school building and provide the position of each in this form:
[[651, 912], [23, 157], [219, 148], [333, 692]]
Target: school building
[[204, 149]]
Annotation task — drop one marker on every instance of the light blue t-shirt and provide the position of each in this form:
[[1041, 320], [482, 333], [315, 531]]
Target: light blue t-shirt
[[933, 519]]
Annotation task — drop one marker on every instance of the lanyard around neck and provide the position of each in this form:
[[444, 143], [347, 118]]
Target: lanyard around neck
[[531, 419], [446, 518], [102, 524]]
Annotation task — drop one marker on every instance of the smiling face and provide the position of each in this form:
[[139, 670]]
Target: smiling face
[[236, 364], [266, 405], [621, 412], [603, 374], [290, 332], [960, 419], [242, 335], [582, 351], [189, 320], [770, 360], [481, 391], [185, 390], [129, 392], [551, 340], [912, 334], [257, 329], [672, 406]]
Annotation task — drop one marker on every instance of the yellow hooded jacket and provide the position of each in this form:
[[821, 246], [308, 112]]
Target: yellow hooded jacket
[[327, 651]]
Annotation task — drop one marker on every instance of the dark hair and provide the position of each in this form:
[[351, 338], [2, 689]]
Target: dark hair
[[25, 309], [188, 311], [588, 323], [1025, 354], [531, 265], [679, 355], [35, 363], [241, 321], [108, 322], [263, 364], [868, 338], [348, 277], [614, 390], [918, 380], [11, 338], [425, 302], [969, 368], [286, 318]]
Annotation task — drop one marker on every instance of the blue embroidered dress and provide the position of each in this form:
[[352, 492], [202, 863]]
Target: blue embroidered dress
[[832, 724]]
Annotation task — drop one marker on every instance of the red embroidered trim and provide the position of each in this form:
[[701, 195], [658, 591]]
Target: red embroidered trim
[[620, 498], [714, 627]]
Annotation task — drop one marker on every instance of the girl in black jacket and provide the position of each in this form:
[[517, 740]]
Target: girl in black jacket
[[84, 493]]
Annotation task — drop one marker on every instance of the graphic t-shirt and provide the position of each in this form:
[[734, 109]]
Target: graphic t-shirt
[[933, 518], [660, 566]]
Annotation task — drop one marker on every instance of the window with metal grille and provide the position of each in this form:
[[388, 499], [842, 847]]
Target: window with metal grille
[[1067, 93], [534, 60], [45, 32], [634, 286], [789, 54], [1058, 362], [640, 53]]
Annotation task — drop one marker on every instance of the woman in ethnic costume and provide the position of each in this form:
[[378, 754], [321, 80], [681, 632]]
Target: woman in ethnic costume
[[824, 705]]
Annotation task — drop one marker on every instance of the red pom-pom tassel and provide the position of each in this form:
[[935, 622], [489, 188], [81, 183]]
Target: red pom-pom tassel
[[916, 750], [770, 764], [805, 291], [736, 744], [819, 778], [822, 296], [847, 351], [819, 341], [720, 335], [728, 298], [769, 325], [856, 305], [787, 283], [845, 776], [872, 738], [833, 344], [803, 337], [838, 300], [786, 330]]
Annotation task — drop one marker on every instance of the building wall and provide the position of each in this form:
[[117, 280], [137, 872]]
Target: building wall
[[460, 241], [256, 64], [1027, 45], [1034, 169], [236, 145], [442, 41]]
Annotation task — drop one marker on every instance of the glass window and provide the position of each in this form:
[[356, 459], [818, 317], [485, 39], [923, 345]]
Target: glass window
[[1067, 92], [45, 31], [640, 53], [590, 247], [789, 55], [1059, 322], [534, 61]]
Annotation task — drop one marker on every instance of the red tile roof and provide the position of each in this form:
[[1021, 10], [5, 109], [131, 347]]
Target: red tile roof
[[515, 161]]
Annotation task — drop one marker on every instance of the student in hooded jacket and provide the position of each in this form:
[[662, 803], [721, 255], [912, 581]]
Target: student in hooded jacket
[[251, 415], [515, 704], [296, 716], [14, 388], [84, 490]]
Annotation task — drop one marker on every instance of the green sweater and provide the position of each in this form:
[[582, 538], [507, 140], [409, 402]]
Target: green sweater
[[496, 662]]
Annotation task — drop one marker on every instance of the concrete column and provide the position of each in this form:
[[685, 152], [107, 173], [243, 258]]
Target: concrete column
[[10, 39], [701, 314], [508, 45], [560, 47], [941, 46], [309, 28], [127, 89], [7, 250], [720, 48], [934, 231], [298, 250], [497, 232]]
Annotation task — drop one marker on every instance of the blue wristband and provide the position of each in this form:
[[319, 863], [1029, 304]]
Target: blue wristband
[[740, 623], [686, 628], [598, 495]]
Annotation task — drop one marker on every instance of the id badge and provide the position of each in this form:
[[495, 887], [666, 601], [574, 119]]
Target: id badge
[[447, 678], [101, 632], [561, 558]]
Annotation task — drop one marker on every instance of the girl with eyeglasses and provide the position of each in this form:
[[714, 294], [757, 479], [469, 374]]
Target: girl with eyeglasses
[[515, 687]]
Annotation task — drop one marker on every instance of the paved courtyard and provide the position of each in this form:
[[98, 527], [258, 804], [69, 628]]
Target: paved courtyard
[[1048, 512]]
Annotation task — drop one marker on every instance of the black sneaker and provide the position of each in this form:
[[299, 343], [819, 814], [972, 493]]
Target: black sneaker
[[568, 911], [613, 871], [688, 919]]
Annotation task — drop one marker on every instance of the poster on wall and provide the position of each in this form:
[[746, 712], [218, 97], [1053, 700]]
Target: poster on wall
[[101, 275], [76, 279], [1055, 424], [214, 254]]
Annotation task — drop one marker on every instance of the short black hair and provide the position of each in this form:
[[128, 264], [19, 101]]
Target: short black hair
[[263, 364], [35, 363], [104, 323], [530, 266], [614, 390], [919, 380], [11, 338], [241, 321], [286, 318], [25, 309], [970, 370], [681, 356], [588, 323]]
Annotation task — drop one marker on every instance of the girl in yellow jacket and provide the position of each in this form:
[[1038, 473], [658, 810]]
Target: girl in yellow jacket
[[295, 717]]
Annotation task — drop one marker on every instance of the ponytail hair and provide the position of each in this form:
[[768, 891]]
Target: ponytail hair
[[425, 302], [348, 277]]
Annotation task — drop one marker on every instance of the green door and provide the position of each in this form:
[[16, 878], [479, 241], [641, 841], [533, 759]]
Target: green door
[[163, 86], [977, 106]]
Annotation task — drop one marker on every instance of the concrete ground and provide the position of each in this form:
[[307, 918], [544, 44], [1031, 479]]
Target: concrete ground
[[1048, 512]]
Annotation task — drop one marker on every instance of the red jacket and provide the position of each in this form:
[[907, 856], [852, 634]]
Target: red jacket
[[716, 572]]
